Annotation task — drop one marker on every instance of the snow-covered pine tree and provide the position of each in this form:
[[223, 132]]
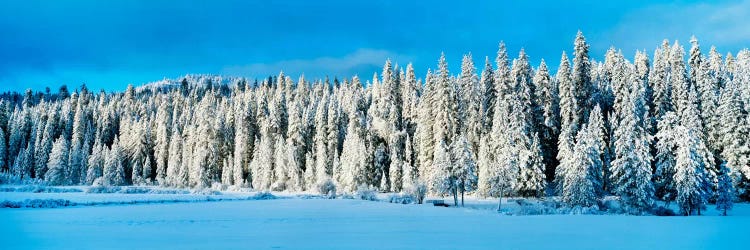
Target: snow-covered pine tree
[[114, 166], [665, 160], [659, 82], [735, 129], [679, 80], [424, 134], [631, 168], [725, 191], [446, 104], [531, 179], [489, 96], [444, 179], [3, 149], [597, 126], [354, 159], [547, 94], [174, 163], [580, 187], [689, 176], [568, 127], [470, 103], [465, 167], [580, 79], [96, 164], [58, 163], [161, 143], [77, 161]]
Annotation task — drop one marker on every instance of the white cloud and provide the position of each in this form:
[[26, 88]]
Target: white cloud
[[721, 24], [340, 66]]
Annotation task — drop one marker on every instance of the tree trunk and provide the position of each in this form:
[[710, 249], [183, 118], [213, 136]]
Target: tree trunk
[[500, 201], [455, 197], [462, 197]]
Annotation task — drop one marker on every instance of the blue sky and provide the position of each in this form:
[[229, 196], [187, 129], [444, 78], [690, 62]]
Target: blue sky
[[109, 44]]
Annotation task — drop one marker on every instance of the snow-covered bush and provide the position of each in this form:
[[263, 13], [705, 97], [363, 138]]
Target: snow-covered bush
[[37, 203], [579, 210], [327, 189], [612, 204], [206, 191], [102, 190], [263, 196], [366, 193], [401, 198], [663, 211], [10, 178], [40, 189], [417, 191], [135, 190]]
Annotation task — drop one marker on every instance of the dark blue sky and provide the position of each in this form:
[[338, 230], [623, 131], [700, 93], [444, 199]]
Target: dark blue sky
[[109, 44]]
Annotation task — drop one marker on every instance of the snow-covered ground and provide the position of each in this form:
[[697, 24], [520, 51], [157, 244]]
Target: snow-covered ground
[[297, 223]]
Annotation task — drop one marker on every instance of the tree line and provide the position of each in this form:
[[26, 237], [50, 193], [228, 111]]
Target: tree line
[[649, 129]]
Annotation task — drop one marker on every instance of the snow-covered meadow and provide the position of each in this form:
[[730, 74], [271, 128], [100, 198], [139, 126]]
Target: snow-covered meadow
[[248, 220]]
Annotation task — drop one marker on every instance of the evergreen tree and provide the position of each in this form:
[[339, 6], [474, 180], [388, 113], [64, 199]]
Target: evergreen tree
[[3, 149], [547, 94], [725, 192], [489, 96], [96, 164], [689, 176], [114, 167], [631, 168], [58, 163], [162, 140], [581, 185], [581, 84], [568, 125], [444, 179]]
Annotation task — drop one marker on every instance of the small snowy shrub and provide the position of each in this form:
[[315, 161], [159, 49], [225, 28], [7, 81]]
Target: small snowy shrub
[[102, 190], [612, 204], [327, 189], [219, 186], [206, 191], [401, 198], [528, 207], [366, 193], [263, 196], [417, 191], [135, 190], [663, 211], [37, 203], [583, 210]]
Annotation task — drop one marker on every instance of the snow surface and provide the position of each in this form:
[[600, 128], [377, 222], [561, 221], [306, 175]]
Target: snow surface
[[298, 223]]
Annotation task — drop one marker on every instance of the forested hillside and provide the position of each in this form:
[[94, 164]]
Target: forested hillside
[[671, 126]]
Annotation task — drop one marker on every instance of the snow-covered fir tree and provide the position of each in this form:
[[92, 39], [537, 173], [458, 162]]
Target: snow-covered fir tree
[[58, 162]]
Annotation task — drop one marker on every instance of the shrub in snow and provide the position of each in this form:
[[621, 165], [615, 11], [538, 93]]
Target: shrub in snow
[[327, 189], [535, 208], [366, 193], [263, 196], [134, 190], [579, 210], [206, 192], [37, 203], [417, 191], [611, 204], [401, 198], [102, 190], [663, 211], [40, 189]]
